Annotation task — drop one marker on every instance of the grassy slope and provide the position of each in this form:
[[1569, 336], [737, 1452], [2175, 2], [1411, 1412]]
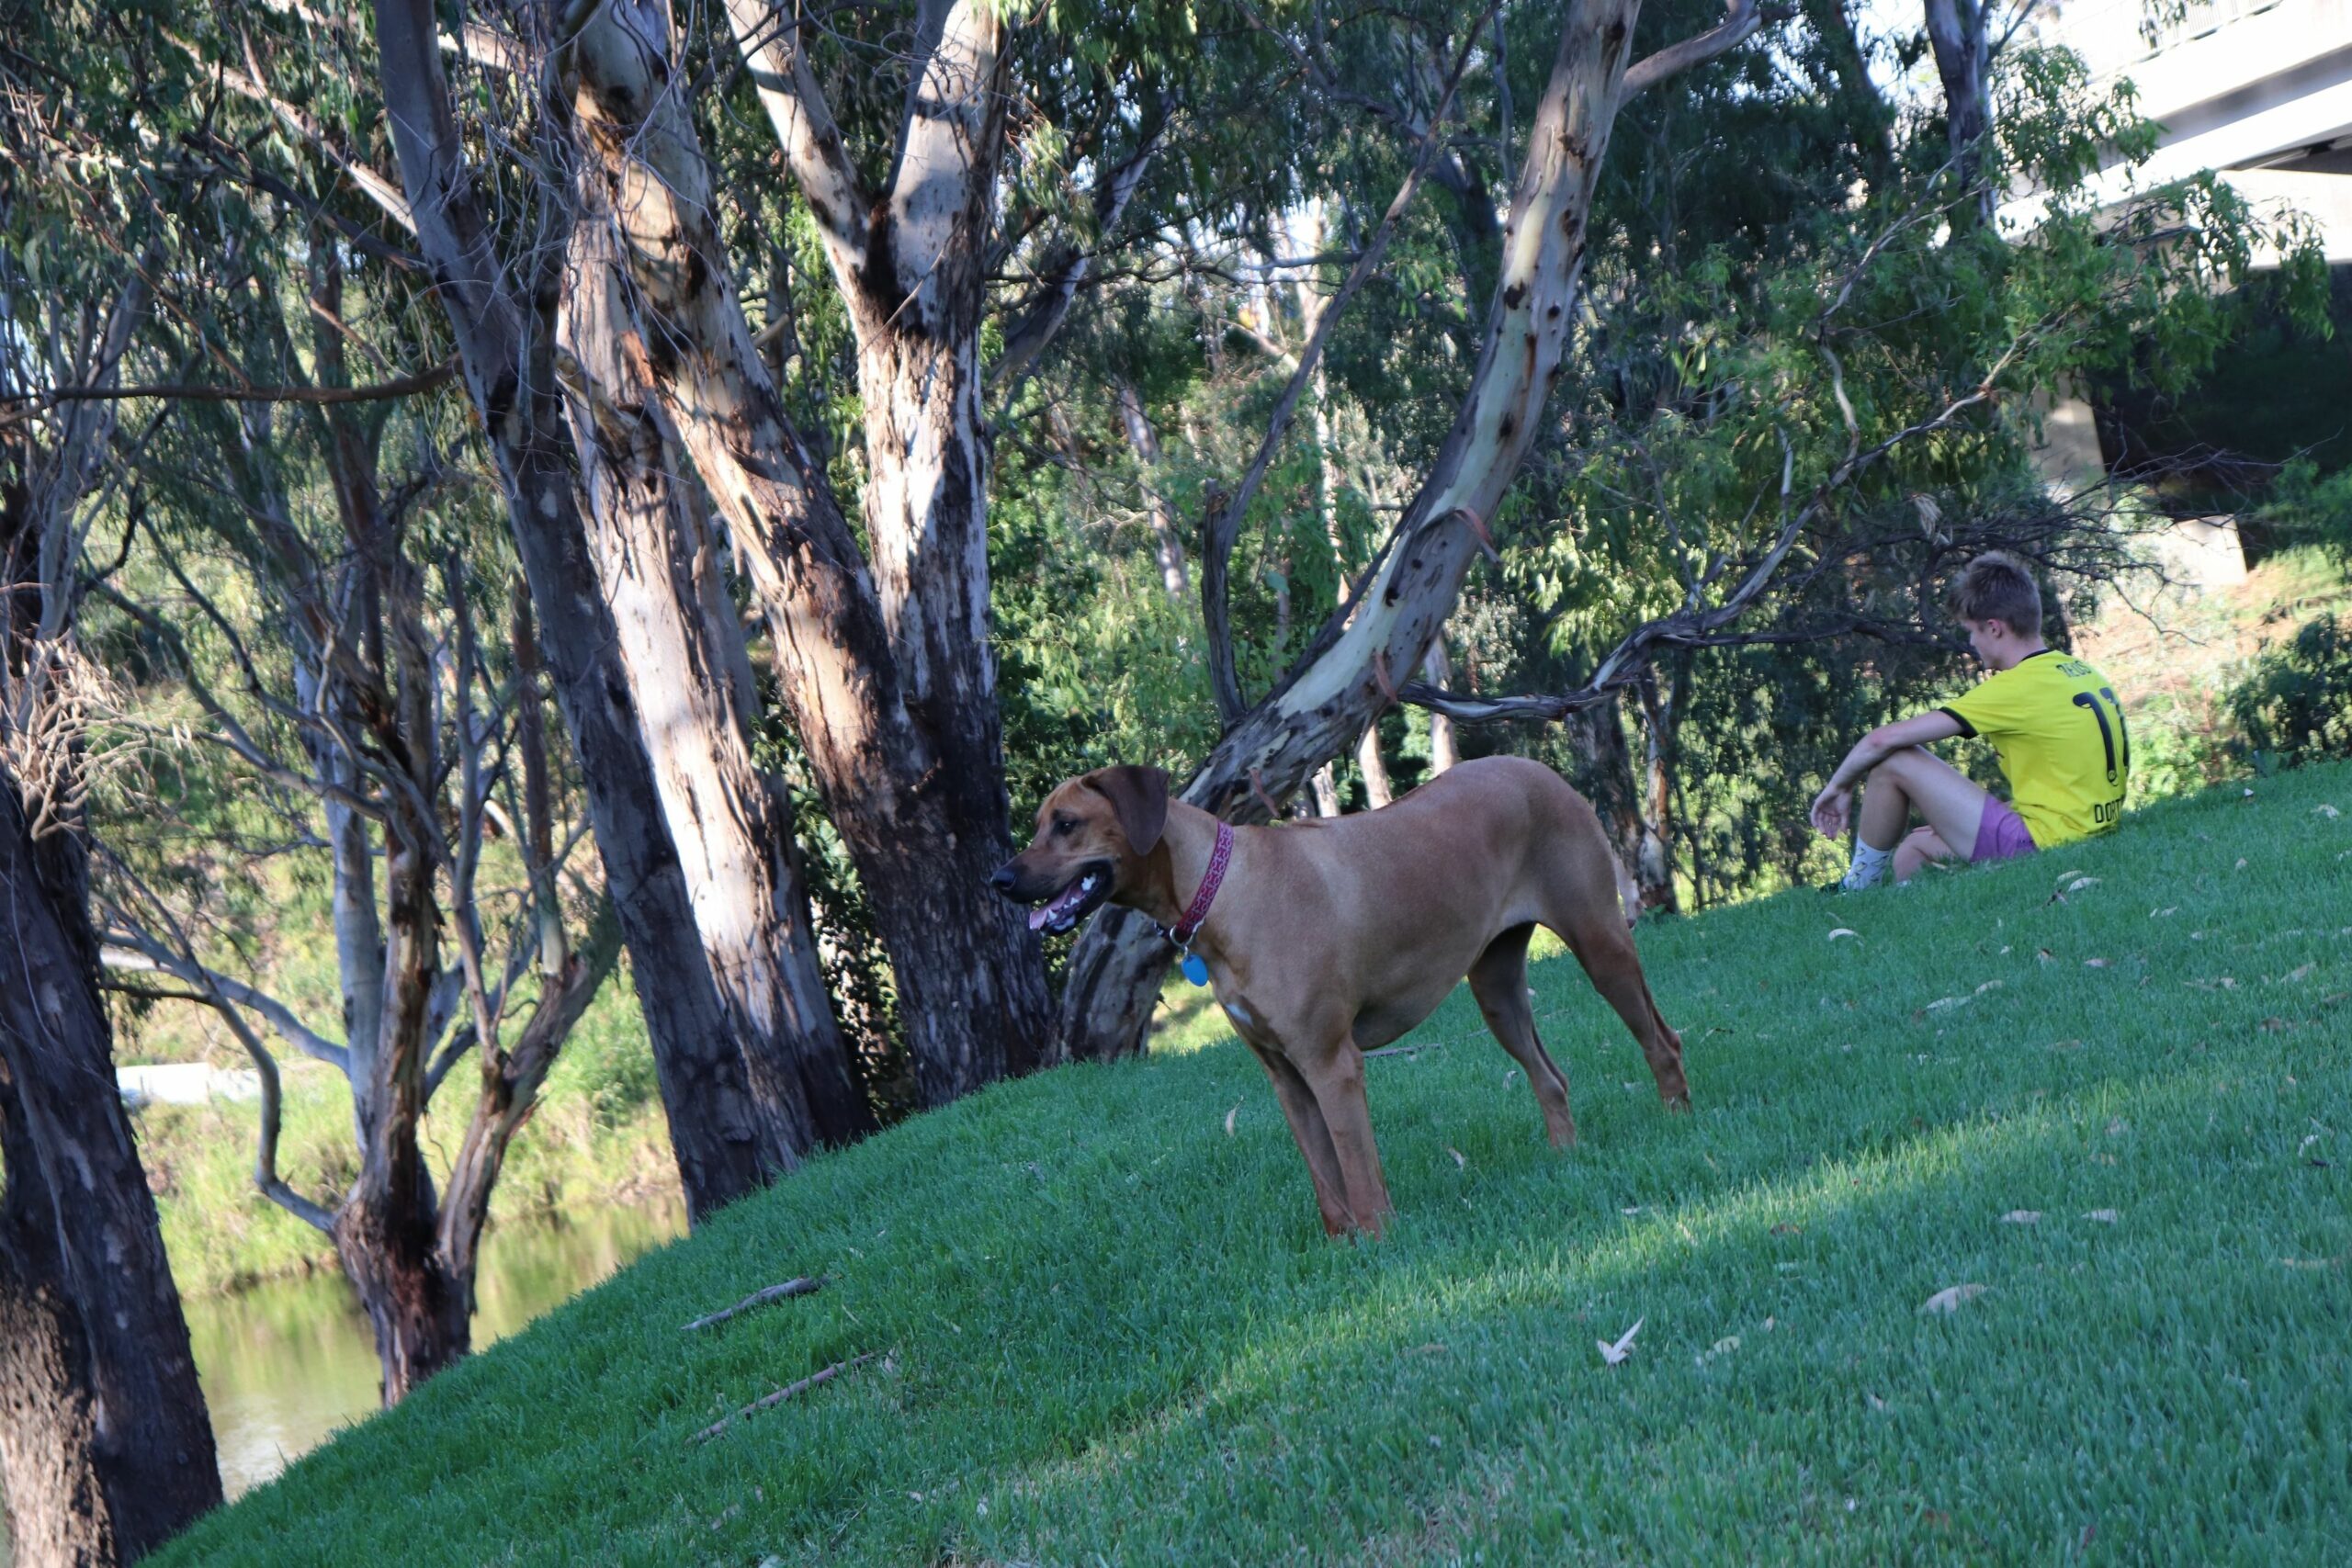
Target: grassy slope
[[1114, 1330]]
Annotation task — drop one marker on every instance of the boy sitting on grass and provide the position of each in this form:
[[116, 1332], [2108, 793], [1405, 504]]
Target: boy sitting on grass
[[2053, 720]]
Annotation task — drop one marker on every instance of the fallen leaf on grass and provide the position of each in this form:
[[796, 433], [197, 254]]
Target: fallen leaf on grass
[[1948, 1299], [1845, 930], [2066, 1046], [1876, 1403], [1942, 1002], [2240, 865], [2325, 810], [1230, 1117], [1613, 1354], [2218, 983], [2045, 954], [2168, 910], [1792, 1229], [1989, 985], [2104, 1216], [1461, 1160], [2082, 882], [2302, 974], [2095, 962], [2276, 1026], [2022, 1217], [2069, 876], [1722, 1346]]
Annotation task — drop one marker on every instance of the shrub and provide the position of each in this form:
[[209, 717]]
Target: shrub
[[2296, 704]]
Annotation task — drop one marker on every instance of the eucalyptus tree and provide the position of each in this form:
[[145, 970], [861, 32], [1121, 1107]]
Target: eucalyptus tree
[[751, 1070], [1356, 662], [104, 1448], [322, 592]]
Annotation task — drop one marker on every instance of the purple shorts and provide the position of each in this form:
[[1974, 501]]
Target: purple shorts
[[2001, 835]]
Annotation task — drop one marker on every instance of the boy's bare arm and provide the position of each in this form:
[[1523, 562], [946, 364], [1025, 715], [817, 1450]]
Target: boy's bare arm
[[1833, 806]]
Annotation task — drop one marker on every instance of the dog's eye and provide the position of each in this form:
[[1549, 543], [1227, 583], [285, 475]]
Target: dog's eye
[[1064, 825]]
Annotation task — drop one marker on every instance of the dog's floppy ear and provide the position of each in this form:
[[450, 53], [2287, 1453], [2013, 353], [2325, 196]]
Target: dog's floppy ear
[[1139, 797]]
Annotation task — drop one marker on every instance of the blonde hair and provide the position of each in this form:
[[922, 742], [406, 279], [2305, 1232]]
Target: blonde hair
[[1997, 586]]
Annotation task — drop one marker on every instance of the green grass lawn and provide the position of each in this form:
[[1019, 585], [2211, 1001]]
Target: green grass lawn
[[1108, 1327]]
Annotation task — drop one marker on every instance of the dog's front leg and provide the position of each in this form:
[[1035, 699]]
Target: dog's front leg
[[1336, 1075], [1306, 1125]]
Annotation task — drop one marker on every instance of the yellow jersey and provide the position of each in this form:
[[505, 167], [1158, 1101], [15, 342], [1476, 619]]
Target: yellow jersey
[[2058, 731]]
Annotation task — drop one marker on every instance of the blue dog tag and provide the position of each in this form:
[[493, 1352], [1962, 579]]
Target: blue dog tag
[[1196, 968]]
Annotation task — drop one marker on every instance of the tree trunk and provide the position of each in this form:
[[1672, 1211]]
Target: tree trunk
[[1444, 751], [1964, 60], [507, 352], [1338, 687], [731, 823], [1654, 870], [1606, 775], [508, 1091], [419, 1314], [1327, 791], [891, 690], [1168, 544], [1377, 791], [107, 1435], [60, 1512]]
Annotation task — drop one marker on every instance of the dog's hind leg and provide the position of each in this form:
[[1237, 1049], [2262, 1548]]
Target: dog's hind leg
[[1499, 982], [1605, 948]]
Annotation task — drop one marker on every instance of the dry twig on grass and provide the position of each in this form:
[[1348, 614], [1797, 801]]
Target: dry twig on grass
[[807, 1285], [780, 1395]]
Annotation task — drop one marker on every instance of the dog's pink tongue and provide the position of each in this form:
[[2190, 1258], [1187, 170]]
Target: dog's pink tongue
[[1068, 898]]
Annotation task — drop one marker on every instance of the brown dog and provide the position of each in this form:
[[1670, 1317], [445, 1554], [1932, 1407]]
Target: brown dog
[[1330, 938]]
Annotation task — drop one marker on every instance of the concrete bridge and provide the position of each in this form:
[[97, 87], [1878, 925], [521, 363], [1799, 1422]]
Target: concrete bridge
[[2258, 90]]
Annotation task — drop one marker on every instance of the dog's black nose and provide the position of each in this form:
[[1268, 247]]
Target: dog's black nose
[[1004, 879]]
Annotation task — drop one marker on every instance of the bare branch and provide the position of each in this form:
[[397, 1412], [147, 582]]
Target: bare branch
[[250, 85], [804, 127], [130, 949], [272, 1185], [806, 1284], [1741, 19], [406, 386], [1224, 527]]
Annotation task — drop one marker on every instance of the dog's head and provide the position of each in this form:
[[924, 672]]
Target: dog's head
[[1093, 834]]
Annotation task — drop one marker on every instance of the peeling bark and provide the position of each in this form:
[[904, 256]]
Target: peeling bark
[[1382, 630], [505, 344], [732, 825], [104, 1447], [888, 676]]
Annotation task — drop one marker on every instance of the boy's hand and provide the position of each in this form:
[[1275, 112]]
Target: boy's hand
[[1830, 811]]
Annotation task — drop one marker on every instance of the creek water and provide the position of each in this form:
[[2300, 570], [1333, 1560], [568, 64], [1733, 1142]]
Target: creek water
[[288, 1361]]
